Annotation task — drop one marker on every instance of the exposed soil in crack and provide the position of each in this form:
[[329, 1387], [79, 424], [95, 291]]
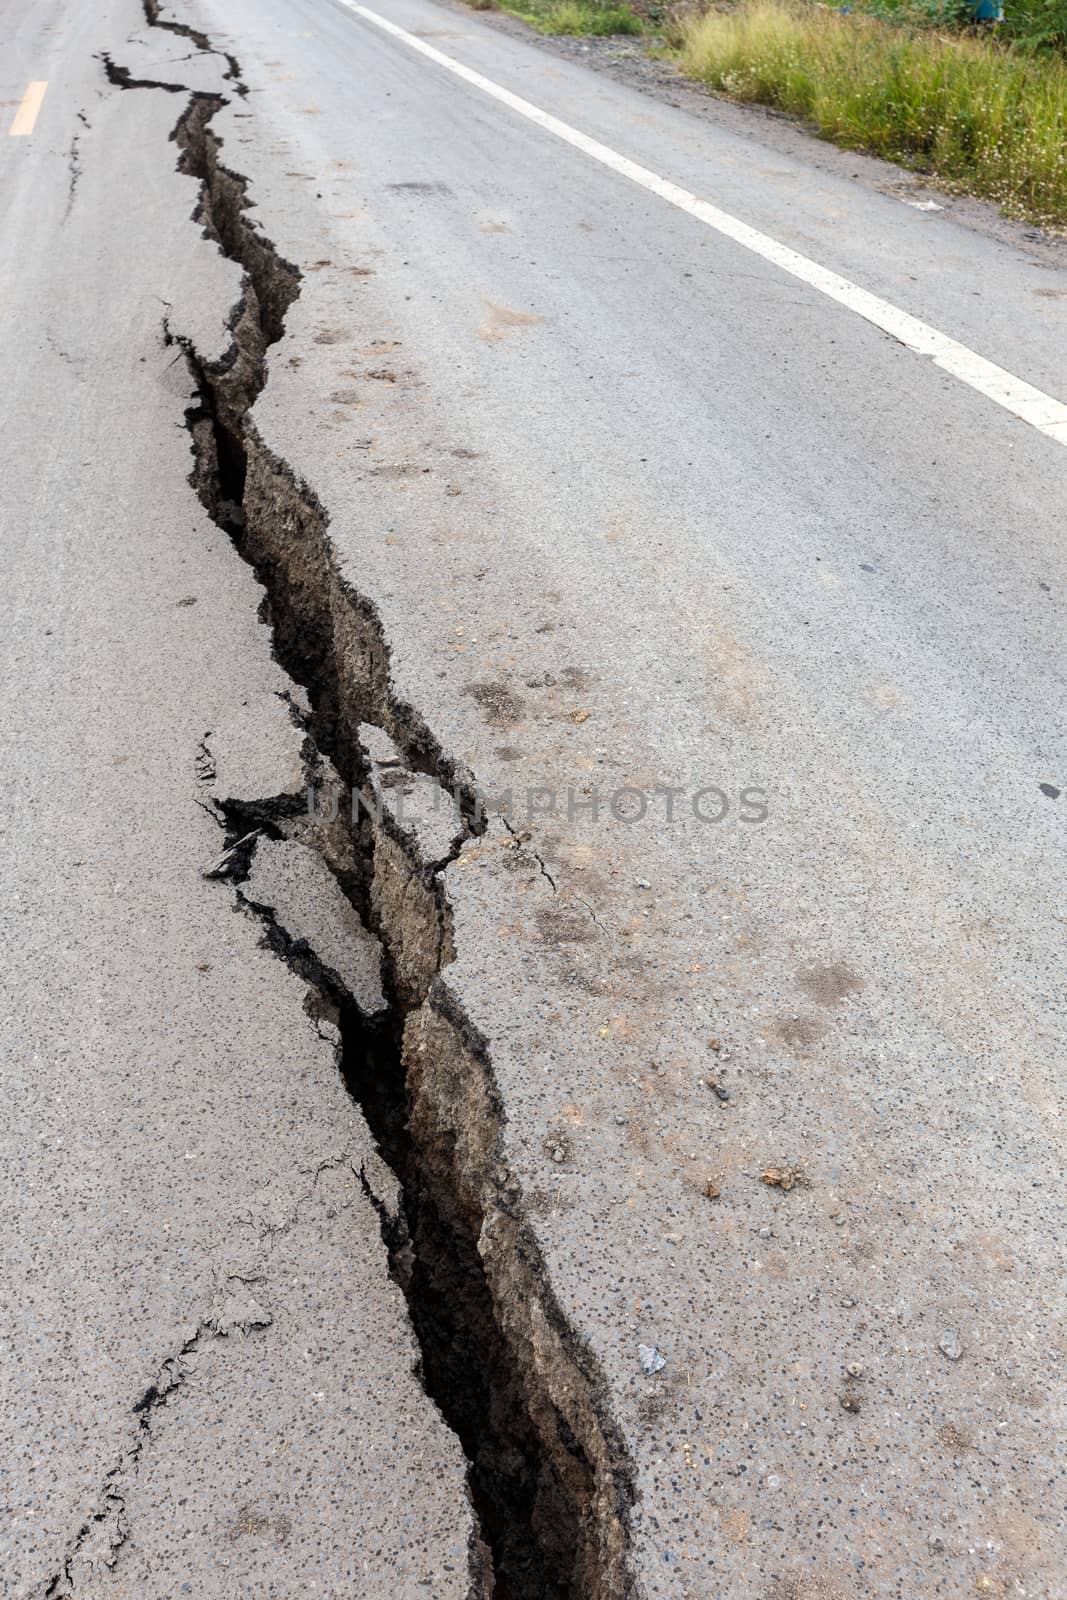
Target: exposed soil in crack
[[549, 1478]]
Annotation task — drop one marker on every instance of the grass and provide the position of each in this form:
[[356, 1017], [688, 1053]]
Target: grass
[[569, 16], [980, 116]]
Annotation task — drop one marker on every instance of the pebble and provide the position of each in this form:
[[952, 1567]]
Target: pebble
[[559, 1154], [936, 1542], [651, 1359], [854, 1369], [949, 1344], [642, 883], [765, 1233]]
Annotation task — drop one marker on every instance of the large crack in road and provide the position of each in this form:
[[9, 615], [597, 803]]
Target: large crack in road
[[549, 1477]]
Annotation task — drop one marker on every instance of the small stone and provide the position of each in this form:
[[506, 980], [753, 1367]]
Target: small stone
[[642, 883], [854, 1369], [765, 1233], [711, 1189], [620, 1121], [781, 1177], [773, 1480], [651, 1359], [850, 1401], [719, 1090], [936, 1542], [949, 1344], [715, 1044], [558, 1154]]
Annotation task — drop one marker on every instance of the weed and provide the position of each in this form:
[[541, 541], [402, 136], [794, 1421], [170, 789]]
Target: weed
[[570, 16]]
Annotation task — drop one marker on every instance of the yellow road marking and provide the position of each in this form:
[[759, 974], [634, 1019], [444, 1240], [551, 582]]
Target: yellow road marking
[[26, 115]]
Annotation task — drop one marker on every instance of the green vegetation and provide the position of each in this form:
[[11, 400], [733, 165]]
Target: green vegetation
[[1037, 23], [981, 116], [1033, 24], [569, 16]]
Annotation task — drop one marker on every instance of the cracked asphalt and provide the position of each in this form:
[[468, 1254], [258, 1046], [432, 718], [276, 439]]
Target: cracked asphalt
[[776, 1098], [207, 1380]]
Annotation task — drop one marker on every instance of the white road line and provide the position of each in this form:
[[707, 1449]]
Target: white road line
[[26, 115], [1040, 410]]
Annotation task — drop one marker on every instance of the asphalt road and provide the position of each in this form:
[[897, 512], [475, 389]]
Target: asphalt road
[[644, 502]]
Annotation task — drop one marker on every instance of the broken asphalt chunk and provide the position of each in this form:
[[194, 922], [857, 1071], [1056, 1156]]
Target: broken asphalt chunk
[[296, 887]]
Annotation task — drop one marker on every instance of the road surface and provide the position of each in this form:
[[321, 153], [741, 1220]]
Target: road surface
[[707, 501]]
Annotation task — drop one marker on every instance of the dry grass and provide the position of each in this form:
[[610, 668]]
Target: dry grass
[[978, 115]]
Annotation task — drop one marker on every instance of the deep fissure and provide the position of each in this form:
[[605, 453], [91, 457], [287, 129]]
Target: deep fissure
[[526, 1520], [552, 1514]]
